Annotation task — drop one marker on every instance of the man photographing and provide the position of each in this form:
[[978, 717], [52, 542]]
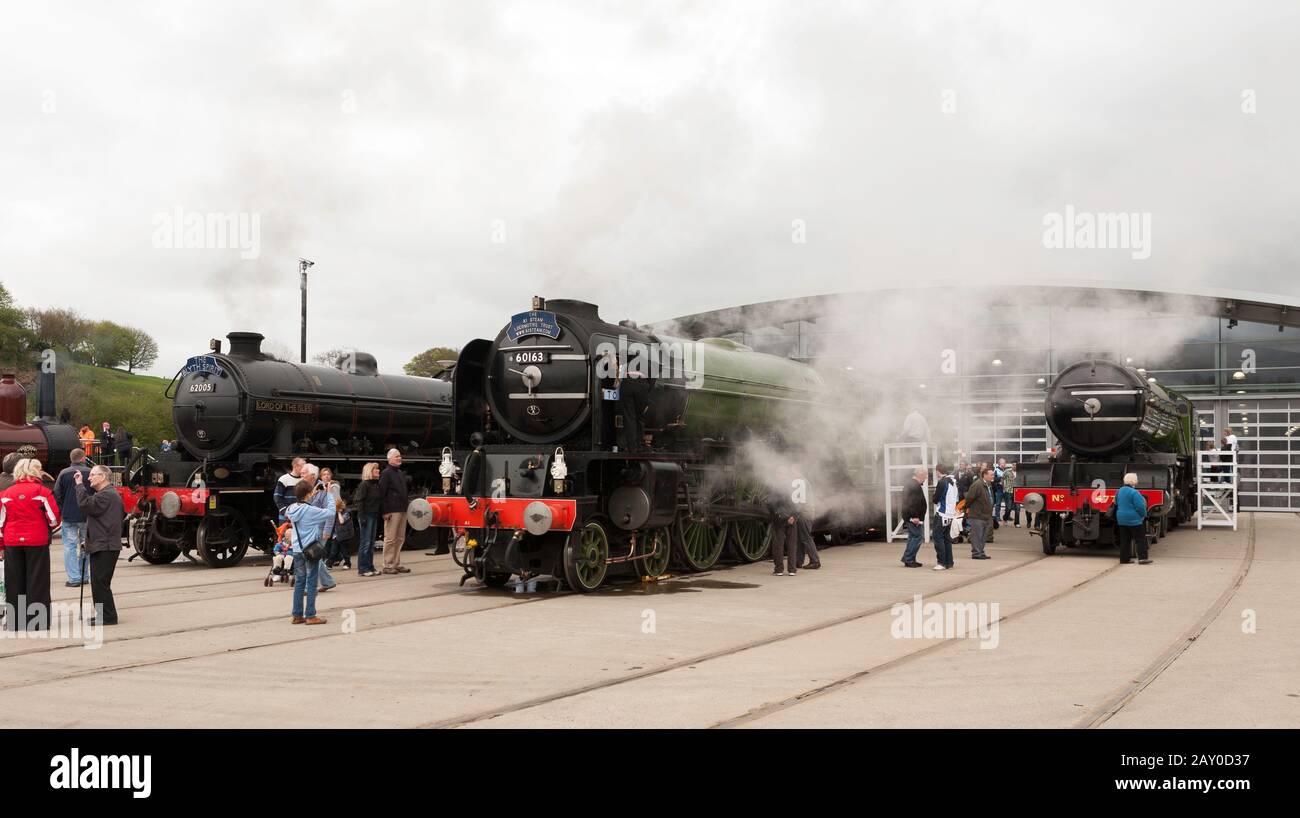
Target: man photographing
[[103, 509]]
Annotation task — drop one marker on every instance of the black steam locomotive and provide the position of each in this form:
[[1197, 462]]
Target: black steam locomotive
[[588, 447], [1109, 419], [242, 416]]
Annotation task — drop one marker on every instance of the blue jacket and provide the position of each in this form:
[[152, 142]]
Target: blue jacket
[[308, 521], [1130, 506], [65, 493]]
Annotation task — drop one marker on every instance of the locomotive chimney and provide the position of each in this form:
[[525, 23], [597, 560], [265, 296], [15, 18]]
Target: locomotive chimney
[[45, 397], [245, 344], [13, 401]]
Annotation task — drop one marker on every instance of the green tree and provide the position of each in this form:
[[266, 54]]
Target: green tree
[[108, 344], [426, 364], [141, 349], [15, 337], [58, 327]]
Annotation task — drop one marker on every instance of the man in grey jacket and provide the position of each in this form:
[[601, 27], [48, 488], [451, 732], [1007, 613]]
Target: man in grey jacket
[[104, 513]]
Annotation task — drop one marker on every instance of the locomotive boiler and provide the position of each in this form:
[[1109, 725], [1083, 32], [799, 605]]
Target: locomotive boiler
[[241, 416], [1109, 420], [583, 447], [45, 437]]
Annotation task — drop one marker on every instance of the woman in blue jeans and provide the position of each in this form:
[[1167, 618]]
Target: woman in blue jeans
[[366, 504], [308, 526]]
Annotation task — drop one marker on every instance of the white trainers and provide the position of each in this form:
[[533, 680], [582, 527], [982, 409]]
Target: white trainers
[[941, 568]]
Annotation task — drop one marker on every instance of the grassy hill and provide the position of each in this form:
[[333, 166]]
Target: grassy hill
[[94, 395]]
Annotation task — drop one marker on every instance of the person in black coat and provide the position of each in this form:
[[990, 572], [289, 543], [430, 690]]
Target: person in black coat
[[394, 498], [365, 501], [785, 542], [104, 513], [915, 509]]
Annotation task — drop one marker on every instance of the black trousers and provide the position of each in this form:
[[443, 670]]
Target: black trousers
[[1128, 535], [806, 544], [102, 566], [27, 575], [784, 546]]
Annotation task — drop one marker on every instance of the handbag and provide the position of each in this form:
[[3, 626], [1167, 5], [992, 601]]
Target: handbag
[[314, 552], [344, 531]]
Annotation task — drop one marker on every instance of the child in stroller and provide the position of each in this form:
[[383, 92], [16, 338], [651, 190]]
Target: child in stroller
[[282, 561]]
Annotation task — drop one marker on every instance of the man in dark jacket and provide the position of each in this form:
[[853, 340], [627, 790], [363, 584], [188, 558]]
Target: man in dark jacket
[[394, 498], [784, 532], [104, 513], [979, 513], [73, 530], [915, 509]]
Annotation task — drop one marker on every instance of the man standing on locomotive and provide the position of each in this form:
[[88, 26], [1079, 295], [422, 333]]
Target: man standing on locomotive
[[633, 387], [915, 508], [394, 497]]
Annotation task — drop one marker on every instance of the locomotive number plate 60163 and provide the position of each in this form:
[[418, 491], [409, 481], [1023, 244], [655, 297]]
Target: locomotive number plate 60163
[[529, 357]]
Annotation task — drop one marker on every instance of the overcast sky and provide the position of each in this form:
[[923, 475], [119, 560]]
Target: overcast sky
[[442, 162]]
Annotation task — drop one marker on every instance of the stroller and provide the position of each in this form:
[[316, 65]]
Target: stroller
[[282, 561]]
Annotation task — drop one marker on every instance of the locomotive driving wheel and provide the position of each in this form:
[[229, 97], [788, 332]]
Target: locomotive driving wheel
[[586, 555], [222, 538], [150, 548], [654, 550], [750, 539], [699, 542]]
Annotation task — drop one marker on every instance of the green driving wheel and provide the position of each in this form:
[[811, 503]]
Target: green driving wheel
[[586, 556], [699, 543], [751, 539], [654, 549]]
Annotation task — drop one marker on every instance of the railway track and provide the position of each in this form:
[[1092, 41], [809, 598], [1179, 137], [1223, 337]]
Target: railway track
[[1114, 703], [1120, 698], [461, 721]]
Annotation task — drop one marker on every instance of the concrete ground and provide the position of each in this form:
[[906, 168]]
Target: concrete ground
[[1205, 637]]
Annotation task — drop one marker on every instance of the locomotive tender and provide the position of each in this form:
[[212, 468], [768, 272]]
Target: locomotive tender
[[242, 416], [1110, 420], [547, 477]]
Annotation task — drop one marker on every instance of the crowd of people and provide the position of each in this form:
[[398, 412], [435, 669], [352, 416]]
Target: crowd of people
[[967, 505], [108, 447], [87, 511], [318, 526]]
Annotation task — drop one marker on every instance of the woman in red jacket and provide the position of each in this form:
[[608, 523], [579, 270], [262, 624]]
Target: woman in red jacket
[[28, 513]]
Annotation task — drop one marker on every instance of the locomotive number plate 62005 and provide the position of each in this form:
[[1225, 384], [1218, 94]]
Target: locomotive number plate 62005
[[203, 387], [529, 357]]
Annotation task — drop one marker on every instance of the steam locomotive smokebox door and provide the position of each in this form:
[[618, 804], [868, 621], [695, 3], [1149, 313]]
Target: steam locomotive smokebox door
[[651, 502]]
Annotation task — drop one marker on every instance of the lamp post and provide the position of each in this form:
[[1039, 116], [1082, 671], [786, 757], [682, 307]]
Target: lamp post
[[303, 264]]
